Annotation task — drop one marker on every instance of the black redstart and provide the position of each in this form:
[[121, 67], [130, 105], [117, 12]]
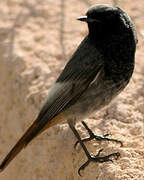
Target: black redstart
[[97, 72]]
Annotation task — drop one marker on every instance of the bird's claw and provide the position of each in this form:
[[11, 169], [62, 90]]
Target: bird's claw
[[97, 137], [99, 159]]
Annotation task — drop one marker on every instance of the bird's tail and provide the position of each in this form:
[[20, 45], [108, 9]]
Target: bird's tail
[[35, 129]]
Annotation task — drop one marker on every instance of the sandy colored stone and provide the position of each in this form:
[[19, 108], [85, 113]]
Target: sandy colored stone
[[36, 40]]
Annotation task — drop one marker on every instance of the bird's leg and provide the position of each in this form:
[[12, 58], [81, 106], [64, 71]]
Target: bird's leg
[[97, 137], [97, 157]]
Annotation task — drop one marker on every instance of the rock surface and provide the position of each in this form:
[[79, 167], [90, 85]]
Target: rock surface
[[35, 43]]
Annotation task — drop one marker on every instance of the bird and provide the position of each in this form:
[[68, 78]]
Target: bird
[[100, 68]]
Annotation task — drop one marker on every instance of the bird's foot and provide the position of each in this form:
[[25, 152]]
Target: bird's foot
[[97, 137], [99, 159]]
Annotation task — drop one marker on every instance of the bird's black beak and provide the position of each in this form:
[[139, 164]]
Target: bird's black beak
[[82, 18], [87, 19]]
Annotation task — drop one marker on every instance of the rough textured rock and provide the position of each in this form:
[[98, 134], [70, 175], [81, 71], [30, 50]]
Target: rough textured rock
[[35, 43]]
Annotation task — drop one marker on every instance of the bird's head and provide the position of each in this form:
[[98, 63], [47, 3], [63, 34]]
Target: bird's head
[[104, 19]]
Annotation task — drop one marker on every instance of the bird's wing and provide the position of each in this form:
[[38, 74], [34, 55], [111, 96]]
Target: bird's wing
[[76, 77]]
